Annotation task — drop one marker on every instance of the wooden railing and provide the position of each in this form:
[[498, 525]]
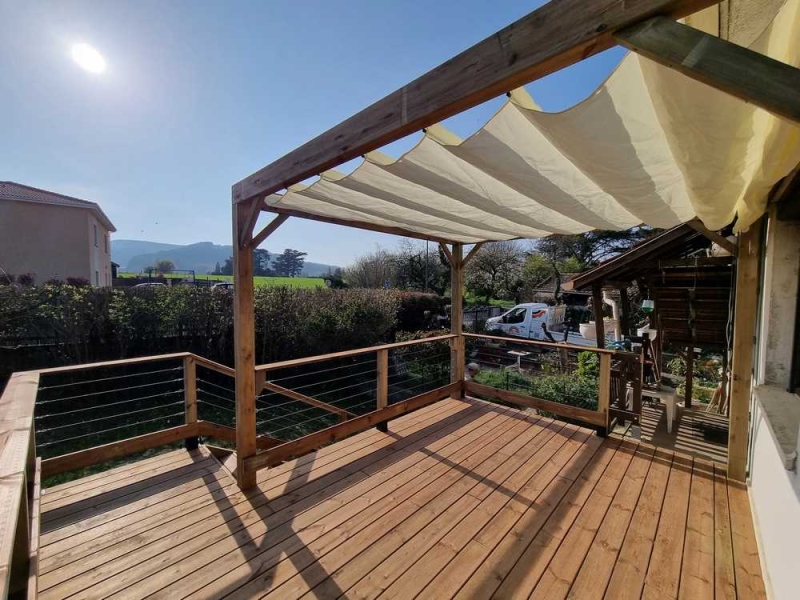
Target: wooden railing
[[510, 369], [301, 405], [347, 392]]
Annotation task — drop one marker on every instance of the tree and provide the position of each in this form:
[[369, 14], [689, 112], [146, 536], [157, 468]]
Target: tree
[[261, 263], [290, 263], [372, 270], [590, 248], [496, 271], [164, 266], [419, 267]]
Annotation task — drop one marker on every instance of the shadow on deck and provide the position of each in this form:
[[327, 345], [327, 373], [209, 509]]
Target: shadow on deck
[[460, 499]]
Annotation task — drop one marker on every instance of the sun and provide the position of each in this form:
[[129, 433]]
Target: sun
[[88, 58]]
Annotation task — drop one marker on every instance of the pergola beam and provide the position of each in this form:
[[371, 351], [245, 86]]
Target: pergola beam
[[736, 70], [555, 36], [715, 237]]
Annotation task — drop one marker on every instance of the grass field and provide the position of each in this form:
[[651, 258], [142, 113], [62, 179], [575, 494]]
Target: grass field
[[300, 282]]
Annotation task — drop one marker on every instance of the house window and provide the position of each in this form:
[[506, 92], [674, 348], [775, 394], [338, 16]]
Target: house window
[[105, 240], [95, 235], [97, 278]]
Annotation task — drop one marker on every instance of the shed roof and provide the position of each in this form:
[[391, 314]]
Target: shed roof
[[18, 192]]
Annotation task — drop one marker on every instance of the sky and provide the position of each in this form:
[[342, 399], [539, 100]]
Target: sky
[[198, 94]]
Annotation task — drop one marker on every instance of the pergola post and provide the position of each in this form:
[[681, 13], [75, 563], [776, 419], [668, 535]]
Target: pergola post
[[597, 307], [744, 326], [626, 311], [244, 341], [457, 353]]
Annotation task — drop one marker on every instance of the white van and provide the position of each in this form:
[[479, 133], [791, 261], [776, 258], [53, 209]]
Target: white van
[[525, 320]]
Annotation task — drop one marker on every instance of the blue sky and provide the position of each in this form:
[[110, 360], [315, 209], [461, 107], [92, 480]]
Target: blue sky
[[199, 94]]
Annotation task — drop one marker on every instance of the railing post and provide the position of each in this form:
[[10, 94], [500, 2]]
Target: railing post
[[383, 385], [457, 355], [190, 397], [604, 393]]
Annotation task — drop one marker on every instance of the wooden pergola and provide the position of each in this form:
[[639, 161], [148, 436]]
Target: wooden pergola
[[551, 38]]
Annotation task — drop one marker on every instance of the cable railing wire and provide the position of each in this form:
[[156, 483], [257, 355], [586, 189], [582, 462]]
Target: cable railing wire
[[62, 385], [127, 426], [77, 410], [112, 391], [106, 418]]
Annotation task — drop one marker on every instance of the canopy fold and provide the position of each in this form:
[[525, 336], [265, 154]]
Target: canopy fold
[[649, 146]]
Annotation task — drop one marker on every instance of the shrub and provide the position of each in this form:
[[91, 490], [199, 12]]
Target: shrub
[[417, 311], [78, 281], [25, 279]]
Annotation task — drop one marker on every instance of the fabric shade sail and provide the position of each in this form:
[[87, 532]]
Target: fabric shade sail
[[649, 146]]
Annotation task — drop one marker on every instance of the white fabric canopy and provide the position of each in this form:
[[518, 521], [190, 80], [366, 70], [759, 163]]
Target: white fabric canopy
[[649, 146]]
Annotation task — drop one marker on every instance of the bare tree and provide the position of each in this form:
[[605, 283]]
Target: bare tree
[[372, 270], [496, 270]]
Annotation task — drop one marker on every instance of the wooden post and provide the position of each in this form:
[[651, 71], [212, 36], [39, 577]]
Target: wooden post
[[457, 355], [604, 393], [687, 400], [626, 311], [597, 306], [744, 325], [383, 385], [190, 397], [244, 344]]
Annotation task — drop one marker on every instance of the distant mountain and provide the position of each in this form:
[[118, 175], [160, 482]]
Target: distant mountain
[[202, 257]]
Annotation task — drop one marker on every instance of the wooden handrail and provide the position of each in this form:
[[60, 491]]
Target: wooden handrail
[[279, 389], [113, 363], [556, 346], [17, 482], [297, 362]]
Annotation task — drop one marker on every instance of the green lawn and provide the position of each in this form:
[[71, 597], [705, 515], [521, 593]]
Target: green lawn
[[300, 282]]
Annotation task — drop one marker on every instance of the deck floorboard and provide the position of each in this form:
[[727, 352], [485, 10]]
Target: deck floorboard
[[461, 499]]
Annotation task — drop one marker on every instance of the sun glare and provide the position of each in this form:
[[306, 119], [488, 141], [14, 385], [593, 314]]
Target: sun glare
[[88, 58]]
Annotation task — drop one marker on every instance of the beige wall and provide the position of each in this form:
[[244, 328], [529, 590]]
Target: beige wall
[[52, 242]]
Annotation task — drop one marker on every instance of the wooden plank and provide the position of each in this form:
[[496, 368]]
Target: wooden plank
[[627, 579], [294, 513], [733, 69], [279, 389], [190, 389], [724, 575], [474, 553], [475, 249], [262, 235], [597, 309], [457, 347], [268, 570], [687, 396], [383, 379], [540, 547], [548, 345], [697, 571], [568, 558], [228, 434], [485, 580], [298, 362], [214, 366], [98, 454], [35, 528], [663, 575], [337, 432], [744, 326], [604, 391], [439, 508], [17, 453], [747, 566], [555, 36], [244, 346], [113, 363], [598, 566], [448, 255], [564, 410]]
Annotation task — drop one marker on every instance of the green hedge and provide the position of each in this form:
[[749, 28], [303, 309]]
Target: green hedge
[[50, 325]]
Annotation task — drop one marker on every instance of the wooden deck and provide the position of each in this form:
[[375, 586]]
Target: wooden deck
[[460, 499], [695, 432]]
